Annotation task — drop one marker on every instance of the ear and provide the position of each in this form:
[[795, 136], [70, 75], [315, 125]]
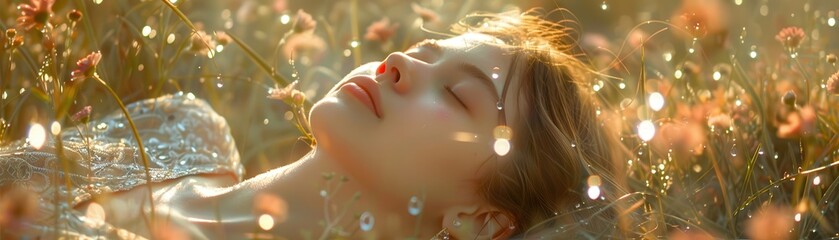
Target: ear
[[478, 222]]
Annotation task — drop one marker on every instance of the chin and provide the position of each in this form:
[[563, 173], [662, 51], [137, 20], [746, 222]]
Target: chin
[[339, 125]]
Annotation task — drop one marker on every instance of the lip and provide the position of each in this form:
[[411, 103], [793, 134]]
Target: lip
[[366, 90]]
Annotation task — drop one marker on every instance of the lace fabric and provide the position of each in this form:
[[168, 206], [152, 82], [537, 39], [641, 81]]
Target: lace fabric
[[182, 136]]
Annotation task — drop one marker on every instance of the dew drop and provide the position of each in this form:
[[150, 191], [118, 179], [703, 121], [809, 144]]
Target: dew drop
[[323, 193], [499, 105], [366, 221], [55, 128], [456, 223], [415, 206], [733, 151]]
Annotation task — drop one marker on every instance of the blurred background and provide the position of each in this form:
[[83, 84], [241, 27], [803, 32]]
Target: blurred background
[[740, 91]]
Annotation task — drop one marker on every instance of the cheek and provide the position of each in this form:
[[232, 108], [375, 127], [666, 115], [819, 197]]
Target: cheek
[[442, 114]]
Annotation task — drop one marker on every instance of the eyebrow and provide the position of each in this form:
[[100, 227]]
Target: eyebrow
[[477, 73], [469, 68]]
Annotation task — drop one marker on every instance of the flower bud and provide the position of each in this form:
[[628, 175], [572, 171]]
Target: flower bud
[[831, 58], [11, 33], [18, 41], [789, 98], [74, 15]]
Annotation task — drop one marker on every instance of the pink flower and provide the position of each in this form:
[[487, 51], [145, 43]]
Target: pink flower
[[35, 14], [86, 67], [791, 37], [799, 123], [222, 38], [700, 18], [303, 22], [280, 5], [770, 222], [684, 138], [82, 115], [381, 30], [679, 234], [426, 14], [833, 84], [309, 48], [288, 94], [720, 121], [17, 206], [201, 43]]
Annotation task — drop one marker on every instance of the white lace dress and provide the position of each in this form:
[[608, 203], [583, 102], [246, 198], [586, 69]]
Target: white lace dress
[[182, 136]]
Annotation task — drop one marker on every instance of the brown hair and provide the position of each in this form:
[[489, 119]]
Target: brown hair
[[559, 140]]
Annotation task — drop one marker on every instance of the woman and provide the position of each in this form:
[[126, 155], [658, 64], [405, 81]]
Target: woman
[[487, 134]]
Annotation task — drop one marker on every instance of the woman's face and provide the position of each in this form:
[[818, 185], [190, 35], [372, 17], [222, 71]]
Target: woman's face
[[422, 120]]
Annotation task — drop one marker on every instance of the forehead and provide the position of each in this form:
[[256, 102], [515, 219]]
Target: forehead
[[484, 51], [491, 55]]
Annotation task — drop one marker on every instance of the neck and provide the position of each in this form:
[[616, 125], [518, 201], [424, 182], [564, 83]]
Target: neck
[[308, 198]]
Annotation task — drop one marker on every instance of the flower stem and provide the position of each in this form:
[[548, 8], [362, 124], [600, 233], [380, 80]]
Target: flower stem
[[140, 147]]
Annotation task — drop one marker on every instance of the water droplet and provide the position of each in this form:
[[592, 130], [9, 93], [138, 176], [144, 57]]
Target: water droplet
[[760, 150], [499, 105], [102, 126], [55, 128], [502, 131], [495, 72], [366, 221], [604, 6], [733, 151], [415, 206], [323, 193], [456, 222]]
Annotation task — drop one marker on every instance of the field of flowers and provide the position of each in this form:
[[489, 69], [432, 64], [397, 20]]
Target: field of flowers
[[730, 107]]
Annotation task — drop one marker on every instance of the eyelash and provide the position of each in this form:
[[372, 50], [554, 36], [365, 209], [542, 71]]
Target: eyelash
[[449, 89]]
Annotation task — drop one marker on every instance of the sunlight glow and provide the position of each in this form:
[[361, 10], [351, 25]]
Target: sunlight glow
[[266, 222], [646, 130], [55, 128], [37, 136], [593, 192], [501, 146], [656, 101]]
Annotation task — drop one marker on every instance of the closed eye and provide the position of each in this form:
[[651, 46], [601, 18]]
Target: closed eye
[[448, 89]]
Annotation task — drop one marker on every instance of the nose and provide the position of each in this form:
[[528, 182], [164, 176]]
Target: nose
[[398, 69]]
